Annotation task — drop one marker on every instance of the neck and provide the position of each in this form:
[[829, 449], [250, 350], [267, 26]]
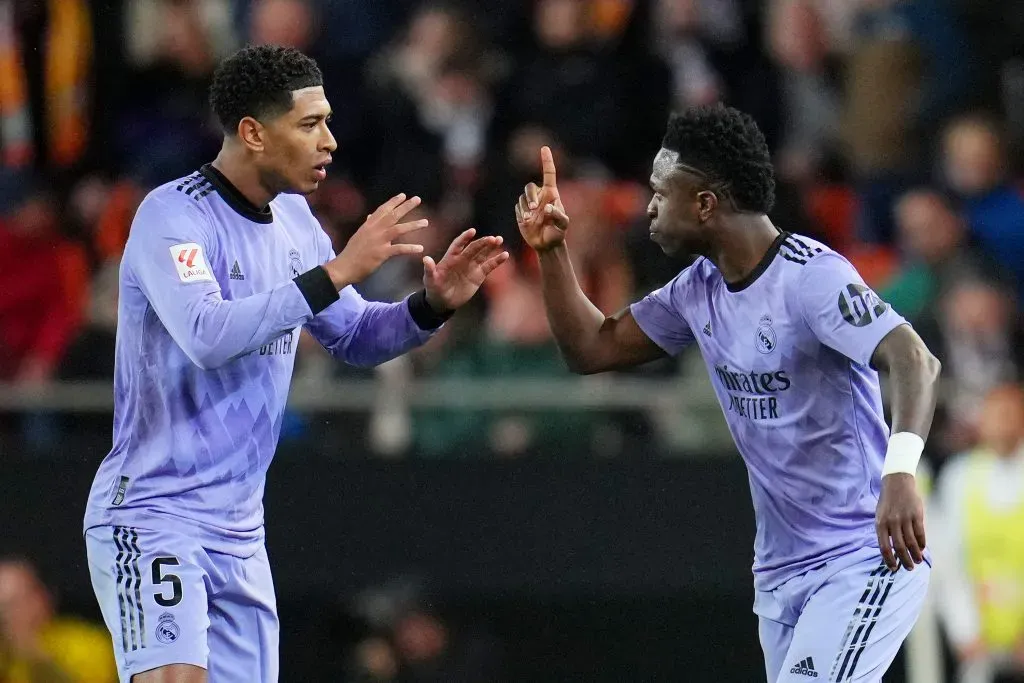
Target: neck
[[243, 174], [741, 242]]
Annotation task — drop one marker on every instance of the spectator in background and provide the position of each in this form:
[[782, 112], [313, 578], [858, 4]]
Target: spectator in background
[[975, 168], [413, 643], [801, 47], [980, 538], [565, 84], [45, 68], [173, 48], [38, 302], [917, 45], [933, 239], [432, 109], [36, 645], [977, 336], [91, 355]]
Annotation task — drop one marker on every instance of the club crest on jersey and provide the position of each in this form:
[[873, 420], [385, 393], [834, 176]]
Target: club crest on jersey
[[295, 262], [167, 630], [765, 338], [190, 262], [859, 305]]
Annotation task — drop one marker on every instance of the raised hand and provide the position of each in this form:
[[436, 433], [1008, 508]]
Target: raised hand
[[539, 211], [454, 280], [372, 244]]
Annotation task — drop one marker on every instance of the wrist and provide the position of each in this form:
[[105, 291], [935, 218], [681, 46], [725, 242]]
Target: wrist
[[553, 252], [339, 274], [903, 454], [437, 306], [424, 314]]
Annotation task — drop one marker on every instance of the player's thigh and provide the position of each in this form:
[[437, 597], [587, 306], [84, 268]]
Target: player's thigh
[[853, 625], [775, 639], [152, 591], [244, 627]]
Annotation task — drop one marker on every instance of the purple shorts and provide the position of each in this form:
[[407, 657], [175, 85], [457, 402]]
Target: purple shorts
[[167, 600], [843, 621]]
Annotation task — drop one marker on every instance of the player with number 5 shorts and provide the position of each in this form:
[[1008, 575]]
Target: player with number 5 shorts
[[222, 270]]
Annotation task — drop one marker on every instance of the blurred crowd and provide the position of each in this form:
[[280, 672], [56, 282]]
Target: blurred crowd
[[894, 125]]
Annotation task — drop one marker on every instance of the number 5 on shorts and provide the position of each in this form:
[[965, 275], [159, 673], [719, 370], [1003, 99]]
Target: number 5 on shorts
[[160, 578]]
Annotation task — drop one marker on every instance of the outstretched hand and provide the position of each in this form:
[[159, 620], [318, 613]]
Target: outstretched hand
[[453, 280], [539, 211], [376, 241]]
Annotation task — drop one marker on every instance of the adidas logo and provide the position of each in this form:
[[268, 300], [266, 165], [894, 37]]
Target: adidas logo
[[707, 329], [805, 668], [236, 272]]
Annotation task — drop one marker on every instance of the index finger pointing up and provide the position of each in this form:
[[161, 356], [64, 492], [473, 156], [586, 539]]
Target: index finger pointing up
[[547, 163]]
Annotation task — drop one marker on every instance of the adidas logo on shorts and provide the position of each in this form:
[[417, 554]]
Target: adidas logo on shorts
[[805, 668]]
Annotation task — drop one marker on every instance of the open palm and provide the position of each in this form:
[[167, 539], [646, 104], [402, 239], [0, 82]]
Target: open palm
[[453, 280]]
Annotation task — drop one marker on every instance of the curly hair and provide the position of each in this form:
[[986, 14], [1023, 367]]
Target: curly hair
[[730, 149], [258, 81]]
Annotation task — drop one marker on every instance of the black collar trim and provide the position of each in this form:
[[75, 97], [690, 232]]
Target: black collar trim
[[235, 199], [762, 266]]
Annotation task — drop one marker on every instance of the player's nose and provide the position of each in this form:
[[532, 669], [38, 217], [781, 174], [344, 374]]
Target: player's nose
[[329, 144], [652, 209]]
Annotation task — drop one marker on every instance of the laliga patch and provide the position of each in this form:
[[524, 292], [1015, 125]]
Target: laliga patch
[[188, 259]]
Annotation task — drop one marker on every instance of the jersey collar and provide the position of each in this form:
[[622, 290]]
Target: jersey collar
[[761, 266], [235, 199]]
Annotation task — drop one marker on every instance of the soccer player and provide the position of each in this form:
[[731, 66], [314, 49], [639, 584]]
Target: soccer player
[[221, 270], [792, 338]]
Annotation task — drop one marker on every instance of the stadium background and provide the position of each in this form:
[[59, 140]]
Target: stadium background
[[473, 512]]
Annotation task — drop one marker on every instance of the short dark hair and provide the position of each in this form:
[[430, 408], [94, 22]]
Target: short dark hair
[[258, 81], [728, 147]]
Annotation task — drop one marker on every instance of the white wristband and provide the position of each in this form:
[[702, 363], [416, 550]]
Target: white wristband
[[903, 454]]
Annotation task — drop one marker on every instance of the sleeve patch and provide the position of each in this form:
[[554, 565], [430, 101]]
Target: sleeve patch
[[859, 306], [191, 264]]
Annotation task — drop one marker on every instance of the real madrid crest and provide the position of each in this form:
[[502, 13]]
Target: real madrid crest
[[765, 335], [167, 630], [295, 262]]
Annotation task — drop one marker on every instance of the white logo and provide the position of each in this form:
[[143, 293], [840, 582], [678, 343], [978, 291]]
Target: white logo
[[188, 259]]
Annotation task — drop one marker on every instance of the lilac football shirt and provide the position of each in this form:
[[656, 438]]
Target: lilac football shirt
[[213, 294], [788, 351]]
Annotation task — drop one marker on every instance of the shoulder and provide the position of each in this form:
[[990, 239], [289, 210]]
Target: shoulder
[[180, 199], [699, 272], [799, 250], [809, 262]]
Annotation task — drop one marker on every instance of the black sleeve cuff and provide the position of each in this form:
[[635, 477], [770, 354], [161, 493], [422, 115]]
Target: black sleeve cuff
[[317, 289], [425, 317]]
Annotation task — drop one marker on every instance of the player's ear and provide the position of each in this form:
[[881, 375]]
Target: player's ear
[[707, 202], [252, 133]]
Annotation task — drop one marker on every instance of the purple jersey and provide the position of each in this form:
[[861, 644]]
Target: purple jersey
[[213, 293], [788, 350]]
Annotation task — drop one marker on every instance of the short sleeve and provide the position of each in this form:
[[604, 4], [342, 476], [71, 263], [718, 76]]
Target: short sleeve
[[841, 309], [661, 315]]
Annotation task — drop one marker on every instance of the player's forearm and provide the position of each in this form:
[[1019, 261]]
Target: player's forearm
[[575, 321], [383, 331], [214, 332]]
